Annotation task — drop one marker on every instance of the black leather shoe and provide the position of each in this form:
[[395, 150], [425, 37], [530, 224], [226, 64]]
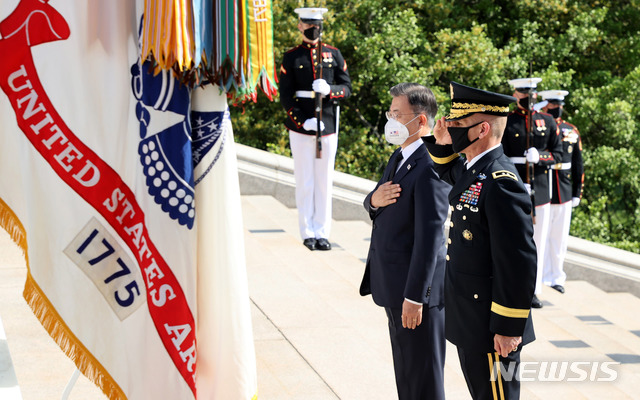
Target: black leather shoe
[[323, 244], [535, 303], [310, 243], [559, 288]]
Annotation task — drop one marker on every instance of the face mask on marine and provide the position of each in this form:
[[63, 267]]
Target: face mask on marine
[[312, 33], [555, 112]]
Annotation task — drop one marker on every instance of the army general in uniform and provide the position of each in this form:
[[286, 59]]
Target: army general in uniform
[[300, 85], [491, 256]]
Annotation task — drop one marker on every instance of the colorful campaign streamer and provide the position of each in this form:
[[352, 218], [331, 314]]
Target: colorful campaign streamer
[[225, 42]]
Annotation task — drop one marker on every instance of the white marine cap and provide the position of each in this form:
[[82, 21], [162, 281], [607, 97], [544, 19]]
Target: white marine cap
[[553, 95], [311, 13], [525, 83]]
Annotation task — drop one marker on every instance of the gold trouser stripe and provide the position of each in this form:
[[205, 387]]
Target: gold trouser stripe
[[499, 377], [443, 160], [493, 381], [509, 312]]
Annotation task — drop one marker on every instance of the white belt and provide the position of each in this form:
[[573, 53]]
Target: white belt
[[518, 160], [307, 94], [560, 166]]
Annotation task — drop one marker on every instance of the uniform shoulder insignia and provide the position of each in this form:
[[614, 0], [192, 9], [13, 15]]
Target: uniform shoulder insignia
[[504, 174]]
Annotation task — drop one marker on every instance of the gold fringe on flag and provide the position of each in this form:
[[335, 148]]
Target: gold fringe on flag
[[51, 320]]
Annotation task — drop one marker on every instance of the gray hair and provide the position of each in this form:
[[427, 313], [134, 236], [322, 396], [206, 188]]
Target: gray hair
[[421, 99]]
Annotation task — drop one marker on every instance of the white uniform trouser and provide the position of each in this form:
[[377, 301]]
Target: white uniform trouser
[[556, 249], [540, 232], [314, 183]]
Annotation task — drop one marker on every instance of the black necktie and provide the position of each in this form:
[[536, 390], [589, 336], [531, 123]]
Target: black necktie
[[396, 161]]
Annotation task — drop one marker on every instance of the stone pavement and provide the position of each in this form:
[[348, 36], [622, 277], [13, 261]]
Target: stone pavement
[[317, 338]]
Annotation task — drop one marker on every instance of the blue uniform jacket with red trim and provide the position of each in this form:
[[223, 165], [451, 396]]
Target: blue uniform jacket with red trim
[[297, 73]]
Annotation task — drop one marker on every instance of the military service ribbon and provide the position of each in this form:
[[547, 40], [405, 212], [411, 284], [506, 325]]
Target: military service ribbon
[[261, 58], [225, 42], [168, 34]]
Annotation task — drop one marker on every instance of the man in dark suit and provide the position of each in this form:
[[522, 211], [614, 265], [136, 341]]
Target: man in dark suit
[[405, 266], [491, 258]]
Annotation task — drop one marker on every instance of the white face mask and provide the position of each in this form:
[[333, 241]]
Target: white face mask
[[397, 133]]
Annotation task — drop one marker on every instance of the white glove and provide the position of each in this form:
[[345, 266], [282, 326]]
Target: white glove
[[575, 201], [528, 187], [540, 106], [312, 124], [532, 155], [321, 86]]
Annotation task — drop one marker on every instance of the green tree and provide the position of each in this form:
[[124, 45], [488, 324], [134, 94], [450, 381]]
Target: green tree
[[590, 48]]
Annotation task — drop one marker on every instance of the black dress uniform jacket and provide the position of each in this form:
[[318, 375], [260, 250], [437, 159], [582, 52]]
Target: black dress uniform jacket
[[297, 73], [491, 259], [545, 138], [568, 182], [407, 253]]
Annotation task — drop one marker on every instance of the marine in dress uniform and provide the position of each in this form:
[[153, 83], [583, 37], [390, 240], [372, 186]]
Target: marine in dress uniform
[[300, 84], [405, 265], [567, 180], [543, 150], [491, 259]]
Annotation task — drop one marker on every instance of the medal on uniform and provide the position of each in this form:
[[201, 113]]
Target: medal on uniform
[[467, 235], [471, 195]]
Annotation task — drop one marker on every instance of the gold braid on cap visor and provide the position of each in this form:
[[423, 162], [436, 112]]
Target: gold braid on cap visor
[[462, 109]]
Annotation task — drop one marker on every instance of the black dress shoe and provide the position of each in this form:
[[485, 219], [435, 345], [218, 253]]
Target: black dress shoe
[[310, 243], [535, 303], [559, 288], [323, 244]]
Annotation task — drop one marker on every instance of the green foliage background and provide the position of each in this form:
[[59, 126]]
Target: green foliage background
[[590, 48]]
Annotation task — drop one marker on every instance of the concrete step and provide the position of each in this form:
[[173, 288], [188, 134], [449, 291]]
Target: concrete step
[[581, 325]]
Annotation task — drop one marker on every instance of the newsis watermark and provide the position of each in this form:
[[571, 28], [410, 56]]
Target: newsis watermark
[[557, 371]]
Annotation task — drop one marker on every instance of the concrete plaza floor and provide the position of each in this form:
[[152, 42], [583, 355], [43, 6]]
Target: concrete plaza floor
[[317, 338]]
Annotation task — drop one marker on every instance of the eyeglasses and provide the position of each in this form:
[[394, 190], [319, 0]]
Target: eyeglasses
[[392, 115]]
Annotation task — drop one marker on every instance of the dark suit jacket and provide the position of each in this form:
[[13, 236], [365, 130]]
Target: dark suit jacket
[[407, 250], [491, 259]]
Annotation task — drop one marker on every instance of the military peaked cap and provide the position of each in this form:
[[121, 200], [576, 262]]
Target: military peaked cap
[[466, 101], [310, 14], [554, 96], [525, 83]]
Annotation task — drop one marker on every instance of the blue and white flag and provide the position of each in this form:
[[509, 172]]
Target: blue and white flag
[[121, 188]]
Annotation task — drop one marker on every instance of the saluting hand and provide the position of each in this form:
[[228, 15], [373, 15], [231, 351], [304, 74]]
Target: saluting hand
[[385, 194], [441, 133]]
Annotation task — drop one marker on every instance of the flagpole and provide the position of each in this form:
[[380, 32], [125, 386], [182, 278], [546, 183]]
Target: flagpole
[[70, 384]]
